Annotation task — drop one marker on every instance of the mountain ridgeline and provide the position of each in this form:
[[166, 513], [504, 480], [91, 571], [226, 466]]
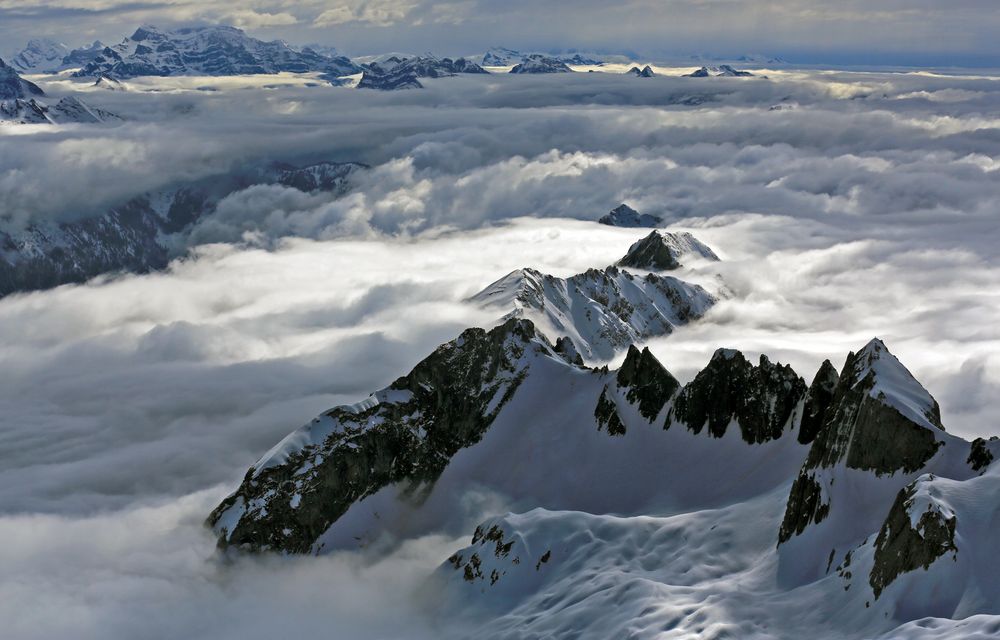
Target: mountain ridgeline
[[503, 409], [144, 233]]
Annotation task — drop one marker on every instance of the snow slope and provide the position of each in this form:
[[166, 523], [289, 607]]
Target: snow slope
[[625, 505]]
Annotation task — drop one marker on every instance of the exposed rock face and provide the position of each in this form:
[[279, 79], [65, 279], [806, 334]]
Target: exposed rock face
[[600, 310], [807, 504], [647, 383], [763, 399], [402, 73], [137, 236], [405, 433], [641, 381], [537, 63], [14, 87], [661, 251], [607, 415], [818, 400], [392, 81], [879, 420], [918, 530], [980, 456], [625, 216], [213, 51], [424, 67]]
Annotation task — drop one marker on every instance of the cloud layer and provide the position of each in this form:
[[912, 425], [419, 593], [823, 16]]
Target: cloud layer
[[866, 205]]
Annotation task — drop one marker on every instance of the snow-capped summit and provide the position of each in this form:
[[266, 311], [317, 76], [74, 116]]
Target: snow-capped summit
[[721, 71], [501, 57], [538, 63], [625, 216], [40, 55], [20, 103], [662, 250], [885, 379], [104, 81], [14, 87], [82, 56], [396, 72], [213, 51], [601, 311], [645, 72]]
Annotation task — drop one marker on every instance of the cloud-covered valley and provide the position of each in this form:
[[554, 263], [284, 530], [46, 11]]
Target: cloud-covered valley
[[843, 206]]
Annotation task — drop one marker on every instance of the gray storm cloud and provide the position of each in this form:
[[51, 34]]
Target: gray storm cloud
[[132, 403]]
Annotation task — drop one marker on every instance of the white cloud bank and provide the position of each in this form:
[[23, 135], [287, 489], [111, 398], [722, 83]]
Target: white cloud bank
[[131, 404]]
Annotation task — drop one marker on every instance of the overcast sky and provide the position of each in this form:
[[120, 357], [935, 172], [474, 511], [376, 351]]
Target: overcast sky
[[959, 32]]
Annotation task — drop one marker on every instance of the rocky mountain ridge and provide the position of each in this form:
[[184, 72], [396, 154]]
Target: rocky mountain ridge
[[599, 312], [213, 51], [142, 234], [505, 407]]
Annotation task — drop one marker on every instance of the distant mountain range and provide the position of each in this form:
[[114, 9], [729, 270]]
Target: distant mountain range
[[503, 57], [397, 72], [21, 103], [142, 234], [43, 55], [721, 71], [213, 51], [844, 499]]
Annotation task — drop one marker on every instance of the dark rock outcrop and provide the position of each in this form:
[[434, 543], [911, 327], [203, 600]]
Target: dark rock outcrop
[[647, 383], [818, 400], [980, 456], [879, 420], [661, 251], [902, 547], [762, 399], [408, 435]]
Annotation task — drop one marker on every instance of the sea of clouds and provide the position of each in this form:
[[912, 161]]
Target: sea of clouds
[[844, 206]]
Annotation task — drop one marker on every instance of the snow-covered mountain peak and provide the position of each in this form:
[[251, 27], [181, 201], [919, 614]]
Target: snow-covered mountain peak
[[663, 250], [721, 71], [14, 87], [885, 378], [211, 50], [538, 63], [625, 216], [601, 311], [645, 72], [40, 55]]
